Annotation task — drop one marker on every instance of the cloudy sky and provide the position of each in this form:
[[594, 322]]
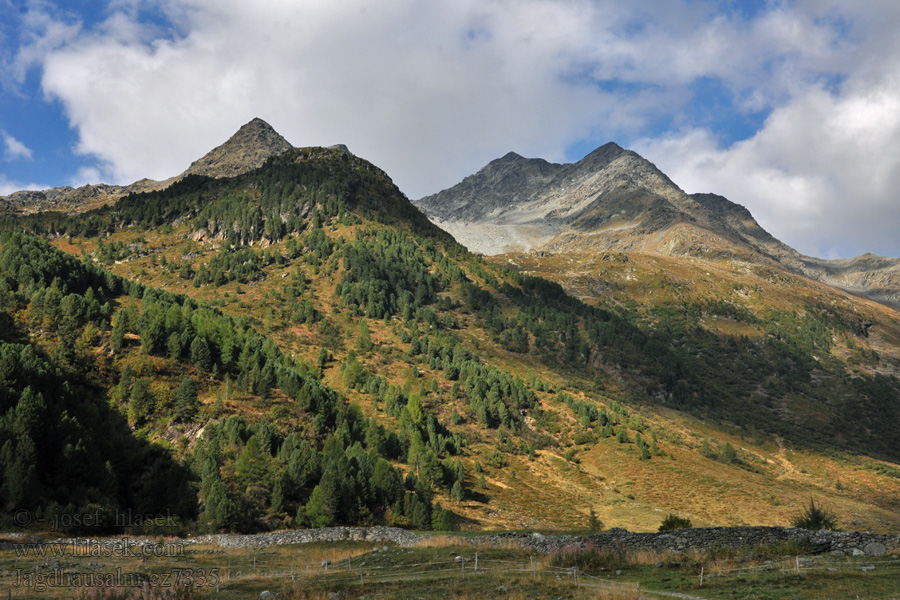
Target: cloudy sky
[[789, 108]]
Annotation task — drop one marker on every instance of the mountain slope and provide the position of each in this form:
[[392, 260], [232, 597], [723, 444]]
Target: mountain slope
[[352, 364], [614, 200]]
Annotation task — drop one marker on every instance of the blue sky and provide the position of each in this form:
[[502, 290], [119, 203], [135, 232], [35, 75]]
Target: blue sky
[[791, 108]]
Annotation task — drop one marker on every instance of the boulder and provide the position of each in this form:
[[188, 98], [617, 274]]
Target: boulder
[[875, 549]]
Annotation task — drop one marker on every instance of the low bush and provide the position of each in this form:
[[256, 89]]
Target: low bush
[[675, 522]]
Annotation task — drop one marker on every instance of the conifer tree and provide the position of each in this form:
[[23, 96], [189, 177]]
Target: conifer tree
[[186, 402]]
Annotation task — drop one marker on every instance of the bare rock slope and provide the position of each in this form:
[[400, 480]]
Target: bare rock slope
[[246, 150], [613, 199]]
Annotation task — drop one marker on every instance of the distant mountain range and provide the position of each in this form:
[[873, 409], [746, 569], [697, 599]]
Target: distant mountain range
[[613, 199]]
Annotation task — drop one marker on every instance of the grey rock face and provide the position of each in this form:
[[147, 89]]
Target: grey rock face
[[246, 150], [614, 200]]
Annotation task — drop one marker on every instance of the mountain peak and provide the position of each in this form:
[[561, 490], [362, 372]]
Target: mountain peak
[[510, 157], [606, 149], [247, 149]]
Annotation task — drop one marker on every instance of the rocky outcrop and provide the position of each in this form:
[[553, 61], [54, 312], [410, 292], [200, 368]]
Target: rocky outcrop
[[59, 197]]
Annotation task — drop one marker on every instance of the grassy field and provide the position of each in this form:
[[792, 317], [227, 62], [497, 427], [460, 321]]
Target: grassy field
[[441, 568]]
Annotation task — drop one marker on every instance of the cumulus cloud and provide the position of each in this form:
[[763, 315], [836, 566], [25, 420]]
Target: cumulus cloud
[[8, 186], [431, 91], [14, 148], [823, 171]]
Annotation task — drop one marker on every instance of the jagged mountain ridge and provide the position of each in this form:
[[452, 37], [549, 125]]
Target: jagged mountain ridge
[[587, 203], [615, 200], [246, 150]]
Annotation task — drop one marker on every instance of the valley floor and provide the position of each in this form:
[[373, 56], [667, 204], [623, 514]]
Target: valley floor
[[448, 566]]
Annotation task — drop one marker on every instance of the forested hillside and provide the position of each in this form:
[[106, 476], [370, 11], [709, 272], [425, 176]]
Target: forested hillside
[[299, 346]]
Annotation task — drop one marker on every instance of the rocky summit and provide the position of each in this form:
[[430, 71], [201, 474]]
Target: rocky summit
[[246, 150], [615, 200]]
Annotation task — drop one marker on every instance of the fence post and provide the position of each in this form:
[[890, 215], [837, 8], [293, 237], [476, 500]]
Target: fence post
[[701, 576], [476, 562], [463, 563], [575, 572], [307, 566], [349, 562], [797, 558], [361, 581]]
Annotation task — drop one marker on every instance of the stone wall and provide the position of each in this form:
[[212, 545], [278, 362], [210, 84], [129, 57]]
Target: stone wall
[[835, 542], [395, 535]]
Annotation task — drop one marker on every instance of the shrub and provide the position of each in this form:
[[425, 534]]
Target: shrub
[[675, 522], [814, 518]]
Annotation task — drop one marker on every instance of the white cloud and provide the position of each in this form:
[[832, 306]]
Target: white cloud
[[86, 175], [822, 173], [8, 186], [14, 148], [431, 91]]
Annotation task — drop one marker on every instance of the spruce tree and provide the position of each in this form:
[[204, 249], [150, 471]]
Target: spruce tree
[[186, 402], [201, 354], [457, 492]]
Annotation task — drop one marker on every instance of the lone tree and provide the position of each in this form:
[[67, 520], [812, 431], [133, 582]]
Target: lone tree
[[815, 518], [594, 522]]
